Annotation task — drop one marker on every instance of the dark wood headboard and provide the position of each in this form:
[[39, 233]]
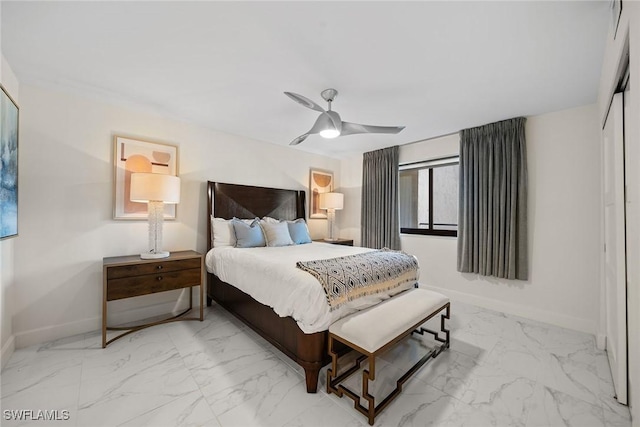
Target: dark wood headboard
[[246, 201]]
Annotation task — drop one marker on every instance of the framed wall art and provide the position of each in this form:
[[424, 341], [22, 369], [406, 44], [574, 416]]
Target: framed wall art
[[8, 165], [134, 155], [320, 181]]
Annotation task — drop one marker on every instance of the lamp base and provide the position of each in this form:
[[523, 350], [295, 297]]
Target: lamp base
[[154, 255], [329, 239]]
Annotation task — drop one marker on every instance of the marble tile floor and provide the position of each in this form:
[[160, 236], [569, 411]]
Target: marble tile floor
[[501, 370]]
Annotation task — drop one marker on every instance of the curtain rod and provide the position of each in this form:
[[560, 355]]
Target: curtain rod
[[429, 139]]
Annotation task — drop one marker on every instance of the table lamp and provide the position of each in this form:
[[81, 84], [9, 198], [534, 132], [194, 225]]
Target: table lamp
[[331, 202], [155, 189]]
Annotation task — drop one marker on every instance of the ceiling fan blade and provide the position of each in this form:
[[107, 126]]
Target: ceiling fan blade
[[355, 128], [299, 139], [316, 128], [306, 102], [321, 123]]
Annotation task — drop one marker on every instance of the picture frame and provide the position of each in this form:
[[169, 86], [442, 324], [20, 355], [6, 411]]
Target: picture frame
[[9, 138], [135, 155], [320, 181]]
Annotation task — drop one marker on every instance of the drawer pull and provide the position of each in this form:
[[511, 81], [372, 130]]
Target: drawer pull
[[159, 278], [159, 267]]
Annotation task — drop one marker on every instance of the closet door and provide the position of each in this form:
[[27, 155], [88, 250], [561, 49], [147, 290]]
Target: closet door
[[615, 274]]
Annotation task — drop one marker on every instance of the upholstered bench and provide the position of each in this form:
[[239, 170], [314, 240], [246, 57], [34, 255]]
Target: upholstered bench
[[377, 329]]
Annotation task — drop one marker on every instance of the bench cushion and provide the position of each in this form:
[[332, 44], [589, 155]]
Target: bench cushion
[[376, 326]]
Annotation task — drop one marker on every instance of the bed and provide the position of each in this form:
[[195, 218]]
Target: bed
[[304, 340]]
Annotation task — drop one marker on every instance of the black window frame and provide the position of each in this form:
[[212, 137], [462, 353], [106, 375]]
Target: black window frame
[[430, 165]]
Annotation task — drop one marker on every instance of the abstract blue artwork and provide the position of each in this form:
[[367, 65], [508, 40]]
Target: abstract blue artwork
[[8, 166]]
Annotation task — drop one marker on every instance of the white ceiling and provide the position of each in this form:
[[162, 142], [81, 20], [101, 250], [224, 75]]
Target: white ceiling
[[434, 67]]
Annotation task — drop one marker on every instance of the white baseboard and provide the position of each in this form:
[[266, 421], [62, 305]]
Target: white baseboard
[[557, 319], [55, 332], [63, 330], [7, 350]]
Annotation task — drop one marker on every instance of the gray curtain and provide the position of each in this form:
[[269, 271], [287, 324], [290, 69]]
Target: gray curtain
[[380, 226], [492, 224]]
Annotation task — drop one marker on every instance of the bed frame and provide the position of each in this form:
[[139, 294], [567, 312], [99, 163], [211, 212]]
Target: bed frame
[[242, 201]]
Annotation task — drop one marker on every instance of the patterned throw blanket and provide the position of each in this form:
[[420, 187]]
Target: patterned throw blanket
[[349, 277]]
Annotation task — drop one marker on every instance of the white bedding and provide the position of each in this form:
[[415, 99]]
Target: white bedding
[[270, 276]]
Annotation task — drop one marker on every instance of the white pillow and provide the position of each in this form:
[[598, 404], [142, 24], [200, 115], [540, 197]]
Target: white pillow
[[222, 233], [270, 220], [276, 233]]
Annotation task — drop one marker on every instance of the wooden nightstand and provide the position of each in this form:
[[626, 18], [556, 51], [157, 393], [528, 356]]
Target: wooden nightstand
[[131, 276], [344, 242]]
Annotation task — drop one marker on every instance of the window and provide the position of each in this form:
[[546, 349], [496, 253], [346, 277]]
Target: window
[[429, 197]]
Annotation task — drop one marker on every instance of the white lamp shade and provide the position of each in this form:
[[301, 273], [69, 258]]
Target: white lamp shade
[[331, 201], [155, 187]]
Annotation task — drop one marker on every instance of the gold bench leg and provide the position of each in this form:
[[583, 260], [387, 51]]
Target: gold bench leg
[[333, 371], [333, 379], [369, 375], [436, 334]]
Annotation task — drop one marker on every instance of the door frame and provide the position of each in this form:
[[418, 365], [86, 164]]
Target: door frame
[[621, 258]]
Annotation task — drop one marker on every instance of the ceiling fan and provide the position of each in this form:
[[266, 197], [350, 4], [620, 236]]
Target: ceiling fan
[[329, 125]]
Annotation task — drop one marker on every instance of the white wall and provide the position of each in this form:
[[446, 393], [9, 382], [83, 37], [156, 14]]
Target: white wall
[[564, 220], [628, 31], [348, 219], [7, 343], [66, 225]]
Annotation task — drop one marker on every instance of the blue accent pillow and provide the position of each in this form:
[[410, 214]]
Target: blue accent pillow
[[299, 232], [248, 235]]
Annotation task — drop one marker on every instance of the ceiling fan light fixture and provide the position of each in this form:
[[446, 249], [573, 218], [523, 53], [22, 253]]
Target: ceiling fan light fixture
[[329, 133]]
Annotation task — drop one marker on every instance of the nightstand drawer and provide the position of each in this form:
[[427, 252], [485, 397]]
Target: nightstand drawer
[[151, 283], [150, 268]]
